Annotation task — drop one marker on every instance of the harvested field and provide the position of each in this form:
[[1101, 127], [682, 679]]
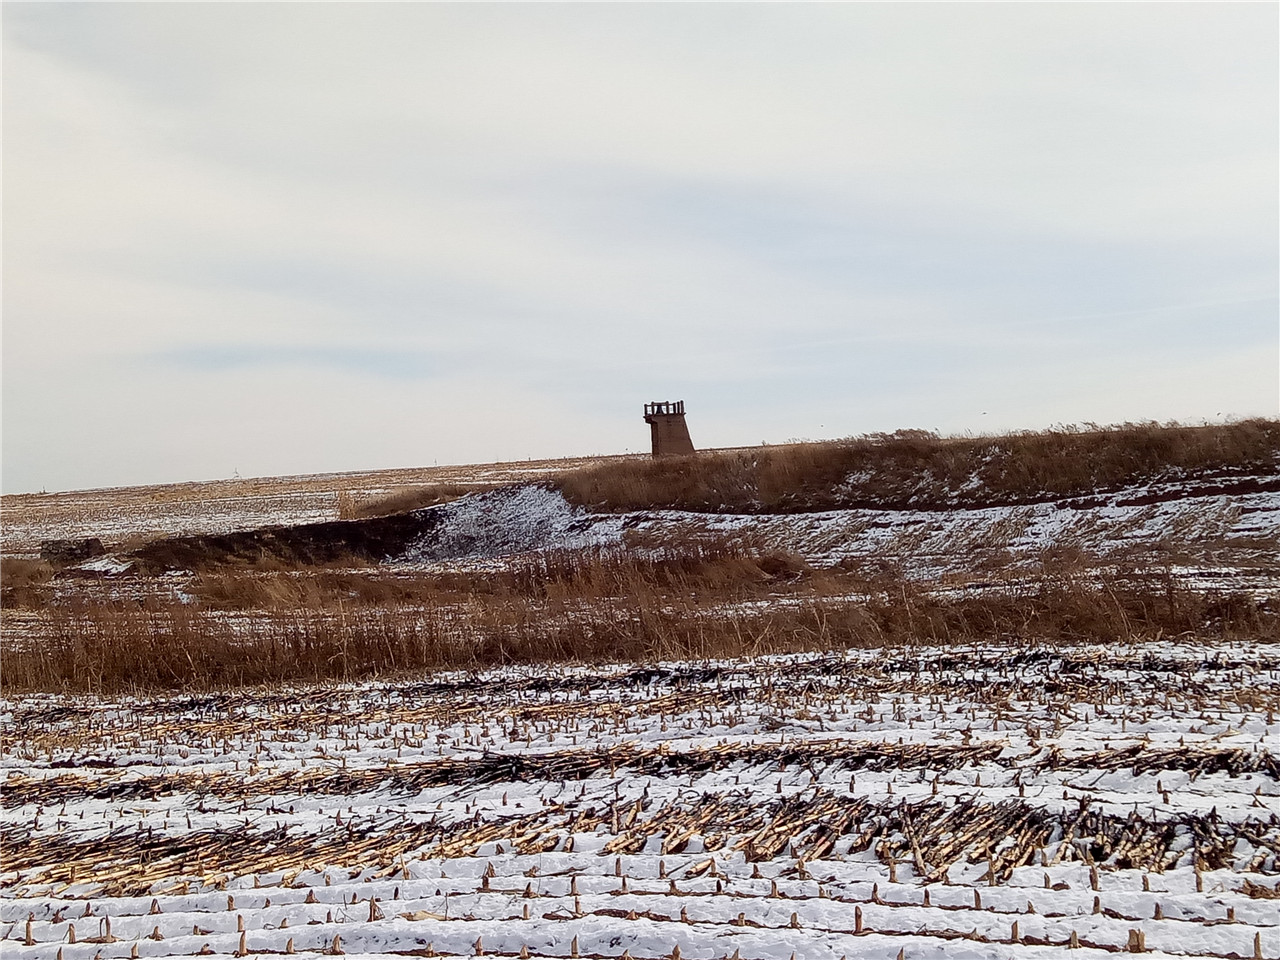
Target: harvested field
[[983, 801], [518, 575]]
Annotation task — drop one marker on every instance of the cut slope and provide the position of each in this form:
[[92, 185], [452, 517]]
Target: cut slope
[[498, 523], [309, 544], [1232, 529]]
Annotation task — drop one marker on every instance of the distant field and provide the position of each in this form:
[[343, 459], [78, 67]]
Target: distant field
[[906, 471]]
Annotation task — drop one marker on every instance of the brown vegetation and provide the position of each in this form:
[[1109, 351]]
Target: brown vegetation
[[712, 566], [711, 601], [351, 507], [307, 602], [921, 470], [24, 583]]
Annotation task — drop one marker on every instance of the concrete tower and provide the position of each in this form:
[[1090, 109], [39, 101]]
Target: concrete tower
[[670, 433]]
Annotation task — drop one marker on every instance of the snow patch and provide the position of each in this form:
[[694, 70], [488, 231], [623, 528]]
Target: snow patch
[[108, 564], [507, 521]]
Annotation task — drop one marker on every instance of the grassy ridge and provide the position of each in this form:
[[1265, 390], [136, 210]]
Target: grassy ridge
[[915, 469]]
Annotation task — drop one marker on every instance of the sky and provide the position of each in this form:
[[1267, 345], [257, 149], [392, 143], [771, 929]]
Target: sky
[[266, 239]]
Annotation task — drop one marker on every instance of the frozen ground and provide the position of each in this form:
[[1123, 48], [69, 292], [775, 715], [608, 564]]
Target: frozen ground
[[909, 802], [1209, 538]]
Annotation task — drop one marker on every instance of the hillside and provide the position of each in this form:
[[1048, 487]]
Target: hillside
[[1204, 499], [908, 470], [1131, 531], [122, 516], [916, 470]]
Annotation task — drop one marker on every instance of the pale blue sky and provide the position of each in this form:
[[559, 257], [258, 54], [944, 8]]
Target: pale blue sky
[[287, 238]]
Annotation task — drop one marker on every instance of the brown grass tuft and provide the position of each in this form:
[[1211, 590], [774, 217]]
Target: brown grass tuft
[[24, 583]]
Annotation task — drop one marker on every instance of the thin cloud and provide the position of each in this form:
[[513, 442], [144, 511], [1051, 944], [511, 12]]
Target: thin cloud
[[805, 220]]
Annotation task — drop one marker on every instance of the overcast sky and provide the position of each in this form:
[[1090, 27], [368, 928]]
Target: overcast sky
[[289, 238]]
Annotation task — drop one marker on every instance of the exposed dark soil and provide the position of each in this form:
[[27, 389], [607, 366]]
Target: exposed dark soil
[[1208, 486], [309, 544]]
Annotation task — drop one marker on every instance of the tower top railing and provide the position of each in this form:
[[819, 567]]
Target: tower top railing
[[663, 407]]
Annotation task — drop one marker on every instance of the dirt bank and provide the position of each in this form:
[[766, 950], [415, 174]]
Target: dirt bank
[[308, 544]]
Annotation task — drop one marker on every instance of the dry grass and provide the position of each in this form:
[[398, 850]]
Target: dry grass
[[723, 570], [351, 507], [274, 590], [916, 469], [721, 600], [24, 583]]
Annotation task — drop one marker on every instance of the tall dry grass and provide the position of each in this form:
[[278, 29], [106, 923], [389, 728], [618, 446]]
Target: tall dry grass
[[584, 608], [721, 569], [266, 620], [24, 583], [916, 469]]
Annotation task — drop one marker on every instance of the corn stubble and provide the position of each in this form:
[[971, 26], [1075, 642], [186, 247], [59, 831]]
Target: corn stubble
[[910, 802]]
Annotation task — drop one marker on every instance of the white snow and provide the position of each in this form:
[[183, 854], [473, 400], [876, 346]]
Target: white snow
[[508, 521]]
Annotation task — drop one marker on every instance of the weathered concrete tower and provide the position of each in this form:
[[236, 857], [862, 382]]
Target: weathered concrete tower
[[670, 433]]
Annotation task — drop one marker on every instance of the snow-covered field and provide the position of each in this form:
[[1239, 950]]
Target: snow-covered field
[[1209, 538], [906, 802], [1001, 800]]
